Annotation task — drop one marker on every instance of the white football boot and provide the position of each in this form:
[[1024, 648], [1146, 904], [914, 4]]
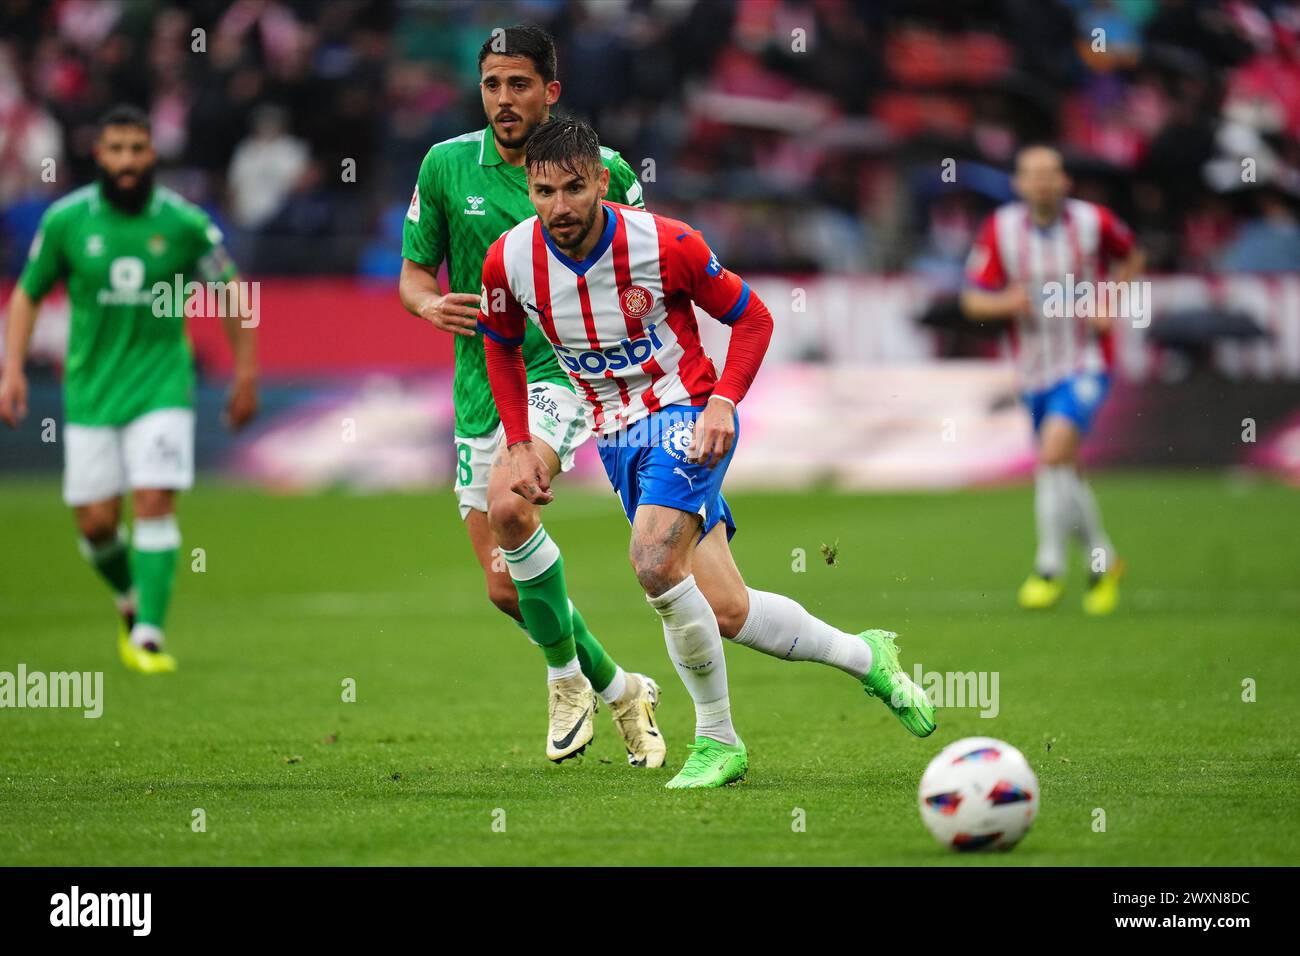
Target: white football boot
[[571, 704], [634, 716]]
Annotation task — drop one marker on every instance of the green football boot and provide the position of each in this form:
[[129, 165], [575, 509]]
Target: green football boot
[[889, 682], [711, 764]]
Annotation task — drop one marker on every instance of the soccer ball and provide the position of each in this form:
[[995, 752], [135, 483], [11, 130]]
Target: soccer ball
[[979, 794]]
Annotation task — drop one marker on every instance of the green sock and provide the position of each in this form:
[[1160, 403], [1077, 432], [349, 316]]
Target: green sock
[[153, 565], [112, 561], [595, 662], [538, 572]]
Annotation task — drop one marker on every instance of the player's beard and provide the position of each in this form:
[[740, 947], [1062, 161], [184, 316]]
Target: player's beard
[[129, 199], [581, 236], [1049, 210], [519, 139]]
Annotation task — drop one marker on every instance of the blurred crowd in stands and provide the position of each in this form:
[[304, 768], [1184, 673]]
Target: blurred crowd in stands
[[800, 135]]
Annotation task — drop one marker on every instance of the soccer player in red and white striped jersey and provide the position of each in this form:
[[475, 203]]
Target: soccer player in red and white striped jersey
[[1028, 252], [614, 289]]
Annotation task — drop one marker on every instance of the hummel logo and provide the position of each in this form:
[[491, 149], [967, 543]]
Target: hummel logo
[[474, 203], [568, 738], [689, 480]]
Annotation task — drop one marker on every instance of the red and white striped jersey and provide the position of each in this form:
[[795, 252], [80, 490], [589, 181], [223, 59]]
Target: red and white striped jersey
[[621, 320], [1083, 241]]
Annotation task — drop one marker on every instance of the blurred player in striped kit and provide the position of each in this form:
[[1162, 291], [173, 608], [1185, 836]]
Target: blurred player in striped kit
[[1026, 253]]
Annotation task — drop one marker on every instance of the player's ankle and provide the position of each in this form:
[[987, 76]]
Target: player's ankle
[[148, 636]]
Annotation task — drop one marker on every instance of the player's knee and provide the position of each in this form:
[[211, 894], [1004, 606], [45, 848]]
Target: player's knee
[[1056, 454], [97, 525], [154, 503], [511, 520], [1059, 443], [656, 567]]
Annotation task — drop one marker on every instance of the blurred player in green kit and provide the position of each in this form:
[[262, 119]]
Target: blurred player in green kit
[[129, 375], [471, 189]]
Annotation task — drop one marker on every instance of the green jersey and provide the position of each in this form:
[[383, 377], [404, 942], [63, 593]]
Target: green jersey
[[465, 197], [125, 357]]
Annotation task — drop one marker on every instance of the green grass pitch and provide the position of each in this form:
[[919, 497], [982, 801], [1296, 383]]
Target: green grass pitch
[[1140, 715]]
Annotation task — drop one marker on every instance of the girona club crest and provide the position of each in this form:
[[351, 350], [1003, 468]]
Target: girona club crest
[[635, 301]]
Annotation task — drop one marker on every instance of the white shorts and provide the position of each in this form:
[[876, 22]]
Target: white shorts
[[555, 415], [155, 450]]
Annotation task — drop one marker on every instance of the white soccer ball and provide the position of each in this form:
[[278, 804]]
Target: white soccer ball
[[979, 794]]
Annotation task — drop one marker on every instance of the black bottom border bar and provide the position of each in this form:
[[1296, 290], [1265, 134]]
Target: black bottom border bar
[[215, 905]]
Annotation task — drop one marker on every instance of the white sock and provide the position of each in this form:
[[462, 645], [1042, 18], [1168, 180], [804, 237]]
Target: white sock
[[570, 669], [532, 558], [146, 634], [156, 534], [1053, 507], [695, 647], [782, 628], [617, 687], [1091, 532]]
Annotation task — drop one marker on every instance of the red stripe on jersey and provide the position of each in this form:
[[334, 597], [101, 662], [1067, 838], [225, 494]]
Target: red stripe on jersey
[[623, 275], [624, 396], [1026, 278], [623, 279], [1078, 267], [597, 406], [542, 290], [651, 368], [695, 369], [542, 284], [1025, 235], [1107, 342], [1082, 326], [589, 321]]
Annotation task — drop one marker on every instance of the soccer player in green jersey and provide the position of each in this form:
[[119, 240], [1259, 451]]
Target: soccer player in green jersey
[[471, 189], [129, 375]]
